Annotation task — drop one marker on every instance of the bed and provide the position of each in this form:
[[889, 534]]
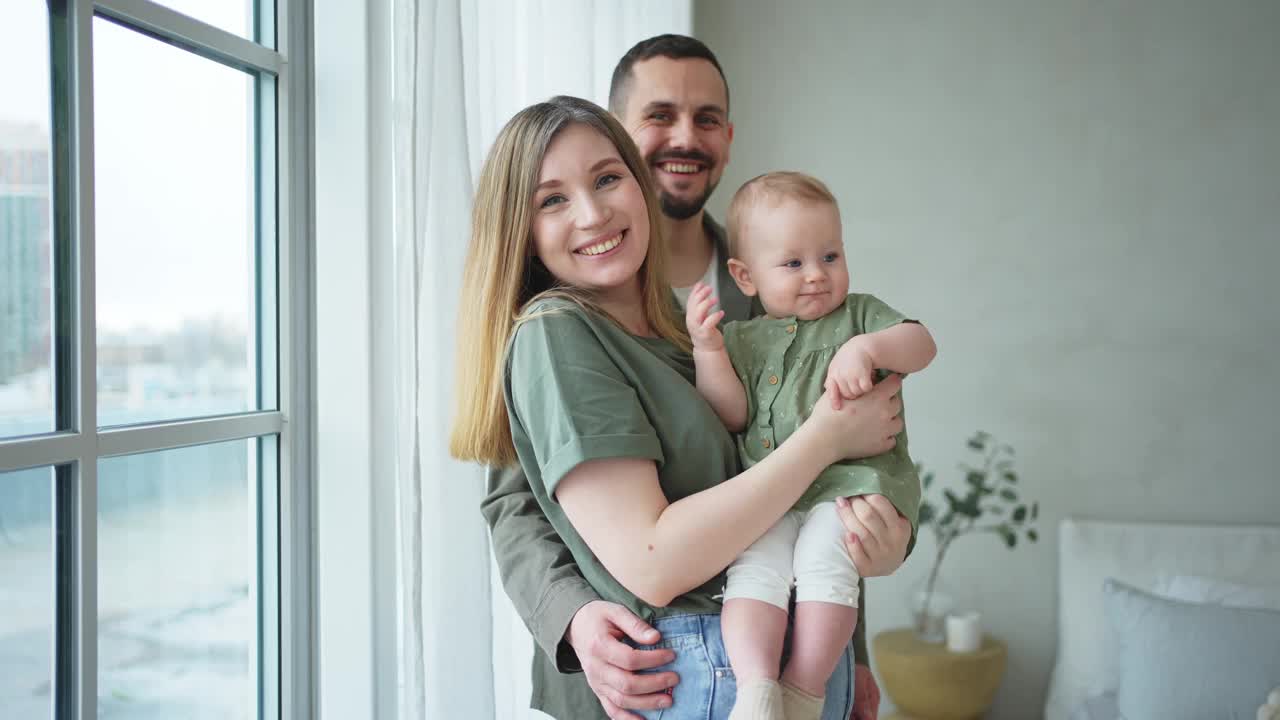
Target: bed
[[1138, 559]]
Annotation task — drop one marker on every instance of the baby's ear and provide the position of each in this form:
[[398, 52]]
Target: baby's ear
[[742, 277]]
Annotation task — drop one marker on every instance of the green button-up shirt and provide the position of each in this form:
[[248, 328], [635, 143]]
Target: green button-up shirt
[[782, 363]]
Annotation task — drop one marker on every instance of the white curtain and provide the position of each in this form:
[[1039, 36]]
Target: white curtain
[[461, 69]]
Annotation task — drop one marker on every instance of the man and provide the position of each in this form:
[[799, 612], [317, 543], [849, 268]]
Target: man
[[670, 94]]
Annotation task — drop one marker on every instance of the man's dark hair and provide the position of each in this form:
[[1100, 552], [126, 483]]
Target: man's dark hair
[[676, 47]]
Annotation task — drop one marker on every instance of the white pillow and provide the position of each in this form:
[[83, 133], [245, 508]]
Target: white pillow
[[1215, 591]]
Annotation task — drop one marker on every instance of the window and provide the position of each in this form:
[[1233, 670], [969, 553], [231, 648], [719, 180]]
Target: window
[[154, 432]]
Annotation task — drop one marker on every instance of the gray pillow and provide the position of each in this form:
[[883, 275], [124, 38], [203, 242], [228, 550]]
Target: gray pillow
[[1186, 660]]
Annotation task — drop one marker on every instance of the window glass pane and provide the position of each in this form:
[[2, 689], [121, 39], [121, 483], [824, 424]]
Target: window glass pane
[[26, 593], [26, 393], [234, 16], [174, 164], [177, 596]]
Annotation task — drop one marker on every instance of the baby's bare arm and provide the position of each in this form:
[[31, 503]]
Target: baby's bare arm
[[716, 380], [904, 348], [720, 387]]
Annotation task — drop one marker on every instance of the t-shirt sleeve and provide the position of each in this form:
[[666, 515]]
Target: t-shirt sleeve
[[572, 400], [871, 314]]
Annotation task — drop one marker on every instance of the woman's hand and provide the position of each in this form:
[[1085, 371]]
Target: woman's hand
[[863, 427], [876, 534], [610, 665]]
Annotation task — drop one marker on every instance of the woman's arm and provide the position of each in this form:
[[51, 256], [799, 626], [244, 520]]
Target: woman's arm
[[659, 550]]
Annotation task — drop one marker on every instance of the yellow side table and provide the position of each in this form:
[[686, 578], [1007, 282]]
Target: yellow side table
[[928, 682]]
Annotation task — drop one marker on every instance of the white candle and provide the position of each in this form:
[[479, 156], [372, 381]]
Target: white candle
[[964, 632]]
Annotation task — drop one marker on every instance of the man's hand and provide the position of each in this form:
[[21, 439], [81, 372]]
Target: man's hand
[[701, 322], [610, 665], [851, 373], [876, 534], [866, 694]]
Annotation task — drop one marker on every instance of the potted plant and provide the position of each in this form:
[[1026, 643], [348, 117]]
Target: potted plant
[[989, 504]]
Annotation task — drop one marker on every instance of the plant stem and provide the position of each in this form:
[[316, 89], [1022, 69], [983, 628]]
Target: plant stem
[[933, 574]]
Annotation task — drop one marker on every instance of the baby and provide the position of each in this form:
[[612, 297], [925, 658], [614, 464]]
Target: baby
[[763, 377]]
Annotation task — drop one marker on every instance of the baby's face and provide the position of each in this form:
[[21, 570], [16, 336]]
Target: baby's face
[[795, 257]]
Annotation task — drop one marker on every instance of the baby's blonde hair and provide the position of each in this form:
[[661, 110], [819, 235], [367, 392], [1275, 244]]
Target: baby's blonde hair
[[773, 188]]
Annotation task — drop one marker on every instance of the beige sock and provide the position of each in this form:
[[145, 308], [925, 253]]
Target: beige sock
[[758, 700], [800, 705]]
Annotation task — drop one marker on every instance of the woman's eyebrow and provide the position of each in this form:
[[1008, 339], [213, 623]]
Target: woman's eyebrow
[[605, 162], [594, 169]]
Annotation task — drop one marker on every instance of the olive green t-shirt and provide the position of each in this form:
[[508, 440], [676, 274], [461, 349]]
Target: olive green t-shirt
[[579, 388], [782, 363]]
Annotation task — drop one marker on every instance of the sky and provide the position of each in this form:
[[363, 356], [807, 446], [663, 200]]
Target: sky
[[173, 160]]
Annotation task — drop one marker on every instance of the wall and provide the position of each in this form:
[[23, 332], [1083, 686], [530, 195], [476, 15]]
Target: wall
[[1082, 201]]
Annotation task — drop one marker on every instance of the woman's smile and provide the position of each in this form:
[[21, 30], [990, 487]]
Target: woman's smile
[[601, 248]]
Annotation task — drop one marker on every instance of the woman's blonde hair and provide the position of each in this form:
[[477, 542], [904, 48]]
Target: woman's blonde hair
[[503, 274]]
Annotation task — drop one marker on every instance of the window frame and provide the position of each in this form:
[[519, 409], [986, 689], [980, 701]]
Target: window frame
[[282, 344]]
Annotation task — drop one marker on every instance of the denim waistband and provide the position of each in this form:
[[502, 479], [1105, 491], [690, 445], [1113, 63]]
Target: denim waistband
[[673, 625]]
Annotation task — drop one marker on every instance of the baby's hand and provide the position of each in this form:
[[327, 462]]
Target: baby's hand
[[701, 321], [850, 374]]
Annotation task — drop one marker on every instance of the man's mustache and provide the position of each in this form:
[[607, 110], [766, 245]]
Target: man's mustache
[[693, 155]]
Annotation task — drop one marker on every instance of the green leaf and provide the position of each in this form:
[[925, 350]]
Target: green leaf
[[1010, 538], [927, 480], [927, 513], [976, 443], [994, 509], [1035, 510], [952, 499], [1009, 495], [975, 479], [1032, 535], [1010, 476], [1020, 513], [965, 507]]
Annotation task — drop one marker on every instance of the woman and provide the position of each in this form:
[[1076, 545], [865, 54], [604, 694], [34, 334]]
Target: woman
[[574, 363]]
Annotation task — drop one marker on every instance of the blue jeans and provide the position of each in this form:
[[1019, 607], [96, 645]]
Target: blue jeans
[[707, 686]]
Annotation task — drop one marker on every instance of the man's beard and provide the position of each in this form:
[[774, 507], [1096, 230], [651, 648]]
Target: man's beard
[[673, 207], [678, 209]]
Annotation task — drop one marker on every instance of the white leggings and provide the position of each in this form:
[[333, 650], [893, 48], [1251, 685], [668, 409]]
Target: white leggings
[[808, 547]]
